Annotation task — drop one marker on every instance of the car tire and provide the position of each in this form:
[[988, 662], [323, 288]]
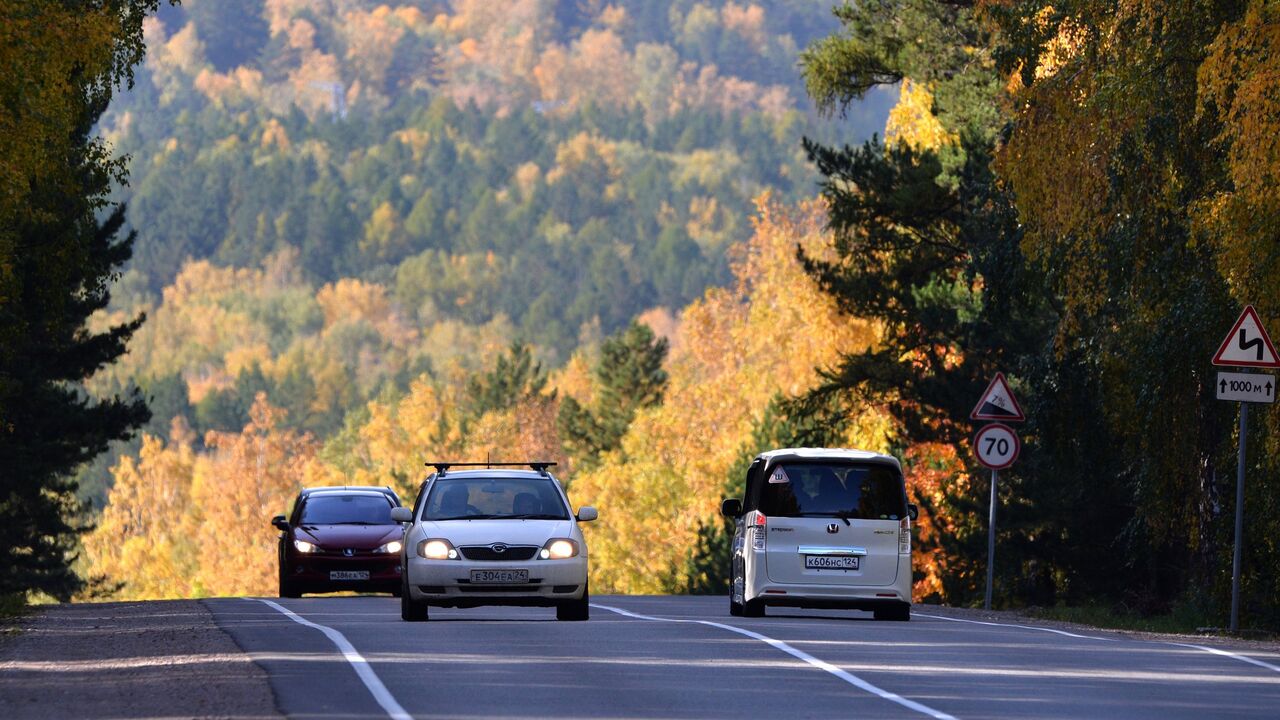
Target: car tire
[[897, 613], [411, 610], [753, 608], [288, 589], [735, 608], [575, 610]]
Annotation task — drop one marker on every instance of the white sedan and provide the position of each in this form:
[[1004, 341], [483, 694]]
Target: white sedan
[[493, 536]]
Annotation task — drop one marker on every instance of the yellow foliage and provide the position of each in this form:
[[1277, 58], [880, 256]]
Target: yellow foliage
[[249, 477], [1238, 81], [384, 235], [737, 347], [912, 122], [146, 536]]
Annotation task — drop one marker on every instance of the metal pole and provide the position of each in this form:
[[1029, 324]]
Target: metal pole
[[991, 537], [1235, 557]]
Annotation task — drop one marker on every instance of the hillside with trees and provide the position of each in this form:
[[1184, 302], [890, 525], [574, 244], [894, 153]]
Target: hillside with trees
[[335, 198]]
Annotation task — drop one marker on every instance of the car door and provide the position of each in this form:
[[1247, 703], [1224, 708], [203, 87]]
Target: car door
[[822, 530]]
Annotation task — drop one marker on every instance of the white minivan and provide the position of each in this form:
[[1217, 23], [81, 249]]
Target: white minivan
[[822, 528]]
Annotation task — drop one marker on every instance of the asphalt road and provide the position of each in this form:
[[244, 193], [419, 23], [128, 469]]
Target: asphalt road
[[684, 657]]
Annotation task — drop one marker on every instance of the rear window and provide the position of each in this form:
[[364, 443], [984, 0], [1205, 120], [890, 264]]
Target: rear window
[[866, 491], [476, 498], [346, 510]]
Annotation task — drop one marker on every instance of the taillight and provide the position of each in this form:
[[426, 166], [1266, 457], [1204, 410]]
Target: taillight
[[904, 536], [758, 539]]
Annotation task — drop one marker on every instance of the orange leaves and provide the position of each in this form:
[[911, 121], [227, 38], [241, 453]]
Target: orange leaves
[[933, 471]]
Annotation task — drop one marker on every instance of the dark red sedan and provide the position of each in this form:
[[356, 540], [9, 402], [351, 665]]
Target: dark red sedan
[[340, 538]]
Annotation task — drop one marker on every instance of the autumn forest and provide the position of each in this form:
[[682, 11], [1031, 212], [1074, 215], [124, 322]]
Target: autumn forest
[[320, 243]]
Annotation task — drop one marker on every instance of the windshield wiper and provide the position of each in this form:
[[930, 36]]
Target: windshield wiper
[[533, 516], [466, 517], [359, 522]]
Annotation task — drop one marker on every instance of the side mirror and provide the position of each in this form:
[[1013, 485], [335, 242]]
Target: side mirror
[[280, 523], [913, 512], [401, 515], [731, 507], [586, 513]]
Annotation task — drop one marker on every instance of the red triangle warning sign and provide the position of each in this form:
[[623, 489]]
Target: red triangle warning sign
[[998, 403], [1247, 345]]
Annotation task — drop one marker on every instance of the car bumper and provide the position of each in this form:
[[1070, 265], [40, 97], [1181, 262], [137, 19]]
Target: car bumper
[[830, 595], [314, 573], [448, 582]]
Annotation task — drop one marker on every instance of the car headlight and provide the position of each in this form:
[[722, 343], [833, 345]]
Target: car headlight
[[391, 547], [437, 549], [558, 549], [304, 546]]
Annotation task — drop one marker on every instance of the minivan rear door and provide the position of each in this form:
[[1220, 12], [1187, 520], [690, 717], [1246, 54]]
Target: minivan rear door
[[832, 522]]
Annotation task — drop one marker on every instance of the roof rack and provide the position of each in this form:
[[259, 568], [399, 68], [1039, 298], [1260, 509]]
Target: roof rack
[[539, 466]]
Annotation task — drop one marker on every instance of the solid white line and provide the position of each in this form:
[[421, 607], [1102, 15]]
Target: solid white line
[[357, 661], [1224, 653], [799, 654], [1023, 627], [1202, 648]]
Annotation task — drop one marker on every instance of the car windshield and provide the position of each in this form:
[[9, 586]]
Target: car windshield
[[475, 498], [866, 491], [346, 510]]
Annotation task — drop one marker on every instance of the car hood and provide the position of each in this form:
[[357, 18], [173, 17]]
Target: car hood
[[484, 532], [356, 537]]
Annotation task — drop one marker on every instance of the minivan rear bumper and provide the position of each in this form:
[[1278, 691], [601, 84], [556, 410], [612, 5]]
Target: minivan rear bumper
[[826, 596]]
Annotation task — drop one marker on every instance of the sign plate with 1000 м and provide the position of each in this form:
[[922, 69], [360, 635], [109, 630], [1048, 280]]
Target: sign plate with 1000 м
[[997, 446], [1246, 387]]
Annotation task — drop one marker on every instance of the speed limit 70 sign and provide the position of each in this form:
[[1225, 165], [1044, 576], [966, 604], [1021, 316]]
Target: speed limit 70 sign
[[997, 446]]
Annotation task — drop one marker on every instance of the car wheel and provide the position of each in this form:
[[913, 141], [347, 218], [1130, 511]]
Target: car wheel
[[735, 608], [288, 589], [900, 613], [411, 610], [575, 609], [753, 608]]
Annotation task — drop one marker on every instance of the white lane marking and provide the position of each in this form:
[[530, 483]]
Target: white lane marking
[[1224, 653], [848, 677], [1024, 627], [370, 679], [1202, 648]]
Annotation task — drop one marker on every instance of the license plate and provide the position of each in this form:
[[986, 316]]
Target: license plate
[[831, 562], [348, 574], [499, 576]]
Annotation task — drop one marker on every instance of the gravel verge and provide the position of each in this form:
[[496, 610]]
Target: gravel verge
[[161, 659]]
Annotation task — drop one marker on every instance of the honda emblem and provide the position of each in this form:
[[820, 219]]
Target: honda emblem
[[833, 528]]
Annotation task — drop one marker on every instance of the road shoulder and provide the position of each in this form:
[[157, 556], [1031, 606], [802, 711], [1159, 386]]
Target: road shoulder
[[128, 660]]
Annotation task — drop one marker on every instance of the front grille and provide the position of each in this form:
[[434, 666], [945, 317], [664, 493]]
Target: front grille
[[485, 553]]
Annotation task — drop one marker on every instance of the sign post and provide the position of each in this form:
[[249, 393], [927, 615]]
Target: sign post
[[996, 446], [1247, 345]]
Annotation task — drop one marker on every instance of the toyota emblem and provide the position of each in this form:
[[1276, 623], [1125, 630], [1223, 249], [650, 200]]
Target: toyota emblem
[[833, 528], [498, 547]]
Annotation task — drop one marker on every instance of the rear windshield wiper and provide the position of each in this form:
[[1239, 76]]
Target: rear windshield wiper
[[843, 516]]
